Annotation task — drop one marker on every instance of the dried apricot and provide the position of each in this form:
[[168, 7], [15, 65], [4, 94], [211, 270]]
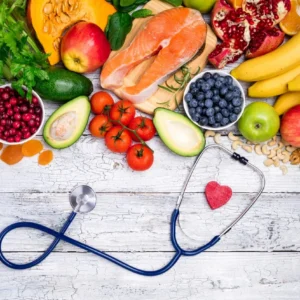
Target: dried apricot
[[45, 157], [1, 146], [32, 148], [12, 154]]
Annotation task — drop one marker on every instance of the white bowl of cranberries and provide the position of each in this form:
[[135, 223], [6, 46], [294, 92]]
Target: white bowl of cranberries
[[20, 119]]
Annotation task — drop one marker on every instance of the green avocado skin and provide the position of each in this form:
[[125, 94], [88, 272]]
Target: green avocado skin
[[63, 85]]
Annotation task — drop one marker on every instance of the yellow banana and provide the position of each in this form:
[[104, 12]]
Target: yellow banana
[[294, 85], [272, 64], [273, 86], [286, 101]]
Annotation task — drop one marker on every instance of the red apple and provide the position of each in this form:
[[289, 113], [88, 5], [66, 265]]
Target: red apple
[[290, 126], [84, 48]]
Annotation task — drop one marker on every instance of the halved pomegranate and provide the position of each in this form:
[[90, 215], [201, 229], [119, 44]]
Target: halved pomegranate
[[265, 41], [237, 27]]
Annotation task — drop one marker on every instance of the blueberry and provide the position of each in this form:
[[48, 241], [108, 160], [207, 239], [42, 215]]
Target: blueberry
[[192, 111], [198, 86], [199, 81], [204, 111], [228, 96], [193, 116], [237, 110], [211, 121], [188, 97], [228, 80], [232, 118], [223, 103], [215, 92], [205, 87], [210, 112], [225, 112], [237, 101], [208, 103], [216, 98], [217, 109], [224, 121], [209, 94], [200, 97], [218, 84], [207, 76], [216, 125], [193, 103], [203, 121], [230, 107], [216, 76], [197, 117], [222, 79], [218, 117], [192, 85], [237, 90], [223, 91], [194, 91], [199, 110], [211, 82], [201, 104], [230, 87]]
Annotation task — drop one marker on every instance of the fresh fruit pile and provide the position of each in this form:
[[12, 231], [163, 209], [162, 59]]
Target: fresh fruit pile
[[117, 124], [248, 29], [214, 100], [19, 119]]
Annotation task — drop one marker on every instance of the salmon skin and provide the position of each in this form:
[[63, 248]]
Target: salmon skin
[[174, 36]]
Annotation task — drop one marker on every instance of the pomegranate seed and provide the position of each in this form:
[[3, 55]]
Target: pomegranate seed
[[26, 117], [16, 124]]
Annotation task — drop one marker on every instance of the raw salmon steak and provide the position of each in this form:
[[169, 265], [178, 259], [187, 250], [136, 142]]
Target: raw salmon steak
[[173, 36]]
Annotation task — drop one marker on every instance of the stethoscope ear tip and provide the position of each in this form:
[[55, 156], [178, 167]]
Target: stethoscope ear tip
[[83, 199]]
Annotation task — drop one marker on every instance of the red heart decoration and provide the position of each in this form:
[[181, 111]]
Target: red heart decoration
[[217, 195]]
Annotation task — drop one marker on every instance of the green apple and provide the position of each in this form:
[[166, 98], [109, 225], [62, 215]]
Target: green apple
[[259, 122], [204, 6]]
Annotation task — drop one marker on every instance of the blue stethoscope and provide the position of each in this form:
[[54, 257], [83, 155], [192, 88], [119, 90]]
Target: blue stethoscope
[[83, 200]]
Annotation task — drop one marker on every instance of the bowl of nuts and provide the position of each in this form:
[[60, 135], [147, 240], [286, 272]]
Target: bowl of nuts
[[214, 100], [20, 119]]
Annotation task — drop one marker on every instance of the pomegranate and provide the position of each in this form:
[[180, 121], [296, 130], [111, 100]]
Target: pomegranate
[[243, 27], [17, 122], [265, 41]]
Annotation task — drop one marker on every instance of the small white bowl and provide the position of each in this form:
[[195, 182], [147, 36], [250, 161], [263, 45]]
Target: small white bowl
[[42, 119], [222, 73]]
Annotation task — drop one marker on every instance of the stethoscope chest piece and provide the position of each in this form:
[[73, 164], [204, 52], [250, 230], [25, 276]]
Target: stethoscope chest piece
[[83, 199]]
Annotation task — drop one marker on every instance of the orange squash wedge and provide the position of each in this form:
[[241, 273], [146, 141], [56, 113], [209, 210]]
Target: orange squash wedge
[[50, 18]]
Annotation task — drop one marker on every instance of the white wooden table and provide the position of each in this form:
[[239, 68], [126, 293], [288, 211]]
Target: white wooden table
[[258, 259]]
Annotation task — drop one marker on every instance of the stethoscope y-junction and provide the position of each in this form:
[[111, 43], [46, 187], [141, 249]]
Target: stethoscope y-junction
[[83, 200]]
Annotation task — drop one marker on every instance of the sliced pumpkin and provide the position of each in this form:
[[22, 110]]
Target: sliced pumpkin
[[50, 18], [291, 23]]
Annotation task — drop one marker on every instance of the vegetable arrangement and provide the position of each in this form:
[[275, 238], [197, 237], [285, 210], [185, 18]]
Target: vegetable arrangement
[[82, 35]]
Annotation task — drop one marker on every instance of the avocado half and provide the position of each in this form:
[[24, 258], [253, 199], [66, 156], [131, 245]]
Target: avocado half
[[178, 133], [66, 125]]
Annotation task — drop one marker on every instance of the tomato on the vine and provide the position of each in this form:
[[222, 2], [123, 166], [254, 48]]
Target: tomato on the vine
[[140, 157], [144, 127], [123, 111], [101, 103], [118, 139], [99, 126]]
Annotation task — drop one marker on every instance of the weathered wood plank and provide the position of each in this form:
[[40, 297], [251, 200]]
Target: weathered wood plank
[[140, 222], [90, 162], [215, 276]]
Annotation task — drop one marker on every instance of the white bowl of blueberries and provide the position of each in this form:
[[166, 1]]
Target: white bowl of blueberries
[[214, 100]]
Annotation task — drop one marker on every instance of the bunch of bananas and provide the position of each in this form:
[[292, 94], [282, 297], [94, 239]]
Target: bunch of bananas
[[276, 73]]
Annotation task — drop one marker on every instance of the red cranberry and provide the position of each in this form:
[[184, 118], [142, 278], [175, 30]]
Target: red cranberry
[[31, 123], [33, 130], [6, 133], [4, 116], [17, 117], [12, 131], [1, 90], [10, 112], [24, 108], [5, 96], [38, 119], [31, 111], [8, 123], [13, 101], [1, 128], [25, 129], [31, 105], [26, 117], [7, 89], [3, 122], [16, 124], [2, 109], [38, 110], [17, 139], [35, 100], [7, 105], [10, 139], [26, 135], [16, 109]]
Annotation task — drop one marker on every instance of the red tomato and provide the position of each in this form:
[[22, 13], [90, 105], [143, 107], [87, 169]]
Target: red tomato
[[122, 111], [99, 126], [101, 103], [140, 157], [118, 139], [144, 128]]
